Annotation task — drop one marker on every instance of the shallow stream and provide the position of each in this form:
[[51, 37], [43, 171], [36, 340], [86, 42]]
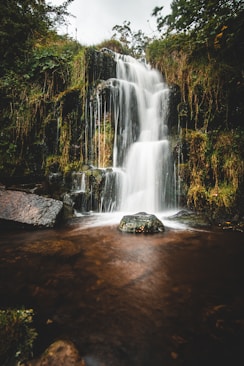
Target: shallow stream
[[172, 298]]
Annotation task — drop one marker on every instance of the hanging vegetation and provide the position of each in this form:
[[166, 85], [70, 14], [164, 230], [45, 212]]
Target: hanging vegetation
[[51, 96], [212, 171], [201, 52]]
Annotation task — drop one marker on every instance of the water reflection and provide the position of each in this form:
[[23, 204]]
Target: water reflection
[[113, 218], [141, 300]]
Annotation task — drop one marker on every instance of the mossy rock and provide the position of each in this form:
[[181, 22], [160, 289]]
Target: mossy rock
[[141, 222]]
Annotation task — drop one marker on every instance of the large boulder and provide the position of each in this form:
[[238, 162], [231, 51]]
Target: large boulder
[[141, 222], [24, 209]]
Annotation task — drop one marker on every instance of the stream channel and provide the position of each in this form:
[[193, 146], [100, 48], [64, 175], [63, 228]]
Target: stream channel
[[171, 298]]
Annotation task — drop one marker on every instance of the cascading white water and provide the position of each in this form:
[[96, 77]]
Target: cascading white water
[[141, 146], [135, 108], [78, 182]]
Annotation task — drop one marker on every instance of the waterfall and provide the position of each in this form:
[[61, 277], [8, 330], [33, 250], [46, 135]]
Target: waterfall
[[78, 182], [127, 149], [141, 145]]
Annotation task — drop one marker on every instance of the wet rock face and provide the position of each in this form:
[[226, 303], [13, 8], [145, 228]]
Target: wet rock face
[[31, 210], [141, 222], [190, 218]]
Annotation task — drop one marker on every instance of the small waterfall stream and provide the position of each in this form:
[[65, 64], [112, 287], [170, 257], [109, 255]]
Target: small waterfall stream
[[147, 178], [141, 146], [142, 176]]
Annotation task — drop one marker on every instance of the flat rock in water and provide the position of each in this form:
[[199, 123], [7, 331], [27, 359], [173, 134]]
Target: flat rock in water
[[28, 209], [191, 219], [141, 222]]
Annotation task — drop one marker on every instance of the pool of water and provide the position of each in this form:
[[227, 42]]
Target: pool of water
[[172, 298]]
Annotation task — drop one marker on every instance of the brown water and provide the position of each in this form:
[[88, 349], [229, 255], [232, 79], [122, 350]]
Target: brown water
[[174, 298]]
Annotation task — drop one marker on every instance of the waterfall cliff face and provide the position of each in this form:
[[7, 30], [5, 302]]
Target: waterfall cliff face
[[134, 106], [141, 147]]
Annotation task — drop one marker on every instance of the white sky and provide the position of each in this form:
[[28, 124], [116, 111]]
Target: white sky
[[94, 19]]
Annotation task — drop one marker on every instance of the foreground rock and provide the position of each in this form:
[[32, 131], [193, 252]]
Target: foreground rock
[[141, 222], [20, 208], [60, 353]]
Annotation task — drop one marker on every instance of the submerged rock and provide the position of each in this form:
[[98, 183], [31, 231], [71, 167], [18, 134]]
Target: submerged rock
[[141, 222], [21, 208], [60, 353]]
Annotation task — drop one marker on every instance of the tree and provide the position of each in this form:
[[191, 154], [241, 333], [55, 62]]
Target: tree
[[134, 41], [201, 50], [21, 22], [202, 19]]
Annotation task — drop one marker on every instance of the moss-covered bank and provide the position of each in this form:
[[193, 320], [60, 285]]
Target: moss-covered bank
[[206, 77], [44, 113], [53, 121], [211, 172]]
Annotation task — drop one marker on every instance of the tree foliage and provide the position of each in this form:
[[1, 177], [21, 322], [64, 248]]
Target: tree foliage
[[201, 50], [21, 22], [34, 66], [213, 25], [193, 16], [133, 41]]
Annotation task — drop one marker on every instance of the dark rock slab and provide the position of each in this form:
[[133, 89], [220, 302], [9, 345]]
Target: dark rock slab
[[29, 210], [141, 222], [191, 219]]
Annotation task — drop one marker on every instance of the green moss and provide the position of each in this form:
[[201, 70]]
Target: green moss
[[72, 166], [223, 196], [52, 164], [212, 173], [78, 70], [197, 196], [114, 45], [16, 336], [210, 86]]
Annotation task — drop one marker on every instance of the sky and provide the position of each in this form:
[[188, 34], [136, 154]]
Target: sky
[[94, 19]]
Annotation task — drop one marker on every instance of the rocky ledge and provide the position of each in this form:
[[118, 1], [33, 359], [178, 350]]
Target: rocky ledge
[[141, 222], [29, 210]]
